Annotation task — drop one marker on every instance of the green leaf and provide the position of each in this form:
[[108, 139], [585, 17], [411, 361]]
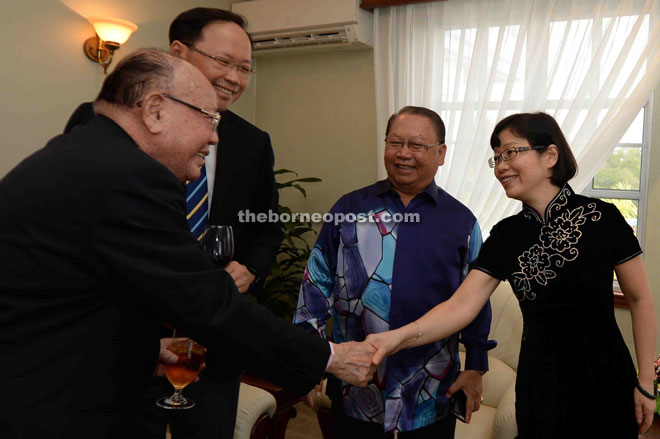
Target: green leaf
[[280, 293], [300, 189], [284, 171]]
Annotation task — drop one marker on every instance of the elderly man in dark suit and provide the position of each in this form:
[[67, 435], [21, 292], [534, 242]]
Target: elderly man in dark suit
[[97, 253], [239, 173], [240, 169]]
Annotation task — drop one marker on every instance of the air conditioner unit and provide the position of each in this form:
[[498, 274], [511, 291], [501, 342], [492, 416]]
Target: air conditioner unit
[[285, 26]]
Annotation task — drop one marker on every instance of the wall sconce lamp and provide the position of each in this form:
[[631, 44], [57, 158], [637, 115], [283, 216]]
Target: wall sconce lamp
[[111, 33]]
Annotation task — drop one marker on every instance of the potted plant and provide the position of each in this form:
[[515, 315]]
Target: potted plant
[[280, 292]]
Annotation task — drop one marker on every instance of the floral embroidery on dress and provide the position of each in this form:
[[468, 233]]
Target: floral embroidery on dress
[[563, 233], [558, 240], [534, 264]]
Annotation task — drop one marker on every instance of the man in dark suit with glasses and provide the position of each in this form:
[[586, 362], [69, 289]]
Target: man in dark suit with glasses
[[240, 178], [97, 254]]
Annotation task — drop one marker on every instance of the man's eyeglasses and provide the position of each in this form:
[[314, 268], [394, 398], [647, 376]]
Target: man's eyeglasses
[[215, 117], [510, 154], [397, 145], [243, 70]]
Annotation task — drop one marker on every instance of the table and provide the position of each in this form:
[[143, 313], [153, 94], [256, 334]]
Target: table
[[285, 401]]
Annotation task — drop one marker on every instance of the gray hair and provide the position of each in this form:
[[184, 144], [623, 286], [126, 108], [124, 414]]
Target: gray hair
[[137, 74]]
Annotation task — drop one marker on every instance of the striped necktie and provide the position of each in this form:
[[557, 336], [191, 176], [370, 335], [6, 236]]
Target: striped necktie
[[197, 204]]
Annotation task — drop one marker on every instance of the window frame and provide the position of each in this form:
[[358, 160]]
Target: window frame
[[641, 195]]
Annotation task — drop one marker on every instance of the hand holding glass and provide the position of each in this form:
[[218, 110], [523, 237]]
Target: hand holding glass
[[182, 373], [218, 242]]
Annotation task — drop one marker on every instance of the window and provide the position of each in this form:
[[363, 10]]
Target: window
[[623, 179], [585, 63]]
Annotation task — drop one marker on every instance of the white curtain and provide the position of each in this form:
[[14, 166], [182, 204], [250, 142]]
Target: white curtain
[[592, 64]]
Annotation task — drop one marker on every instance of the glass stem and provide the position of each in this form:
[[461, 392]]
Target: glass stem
[[177, 397]]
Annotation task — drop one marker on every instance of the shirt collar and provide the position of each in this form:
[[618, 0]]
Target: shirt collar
[[432, 191]]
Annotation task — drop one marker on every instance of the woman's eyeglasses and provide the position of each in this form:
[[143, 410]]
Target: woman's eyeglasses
[[510, 154]]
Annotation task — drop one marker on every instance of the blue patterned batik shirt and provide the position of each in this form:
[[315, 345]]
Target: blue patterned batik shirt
[[379, 266]]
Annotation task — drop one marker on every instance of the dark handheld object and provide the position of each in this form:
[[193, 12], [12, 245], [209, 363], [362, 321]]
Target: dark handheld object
[[458, 405]]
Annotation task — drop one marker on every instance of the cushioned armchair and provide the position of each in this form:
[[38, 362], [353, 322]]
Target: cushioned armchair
[[256, 407], [496, 417]]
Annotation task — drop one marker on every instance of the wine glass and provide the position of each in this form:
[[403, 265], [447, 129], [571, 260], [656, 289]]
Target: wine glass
[[218, 242], [182, 373]]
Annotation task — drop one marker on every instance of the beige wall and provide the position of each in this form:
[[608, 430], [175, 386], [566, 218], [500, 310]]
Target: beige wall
[[319, 109], [45, 74], [652, 257], [320, 112], [652, 247]]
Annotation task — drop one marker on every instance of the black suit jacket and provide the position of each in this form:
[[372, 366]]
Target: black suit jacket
[[96, 253], [244, 181]]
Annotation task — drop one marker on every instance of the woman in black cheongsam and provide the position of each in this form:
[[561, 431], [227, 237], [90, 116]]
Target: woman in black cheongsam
[[576, 378]]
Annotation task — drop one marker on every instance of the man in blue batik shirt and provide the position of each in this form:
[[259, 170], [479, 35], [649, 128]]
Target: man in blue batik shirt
[[393, 251]]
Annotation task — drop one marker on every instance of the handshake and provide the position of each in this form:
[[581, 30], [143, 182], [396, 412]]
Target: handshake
[[355, 362]]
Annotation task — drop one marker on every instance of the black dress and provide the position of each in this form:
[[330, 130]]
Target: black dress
[[576, 378]]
